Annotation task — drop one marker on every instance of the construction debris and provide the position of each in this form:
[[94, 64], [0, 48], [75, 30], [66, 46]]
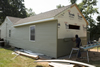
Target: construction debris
[[66, 61], [28, 53], [16, 56], [55, 64]]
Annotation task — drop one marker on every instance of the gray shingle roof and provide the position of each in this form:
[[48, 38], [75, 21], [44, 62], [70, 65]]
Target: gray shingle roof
[[41, 16], [14, 19]]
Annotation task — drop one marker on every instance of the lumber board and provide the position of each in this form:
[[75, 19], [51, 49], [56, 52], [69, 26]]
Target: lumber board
[[28, 55]]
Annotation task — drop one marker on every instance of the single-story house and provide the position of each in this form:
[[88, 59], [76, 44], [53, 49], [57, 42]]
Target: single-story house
[[49, 33]]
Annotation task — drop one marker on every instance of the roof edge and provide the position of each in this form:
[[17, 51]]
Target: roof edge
[[65, 9], [81, 14], [33, 22]]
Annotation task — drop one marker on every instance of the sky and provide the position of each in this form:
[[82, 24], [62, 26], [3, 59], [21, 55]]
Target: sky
[[40, 6]]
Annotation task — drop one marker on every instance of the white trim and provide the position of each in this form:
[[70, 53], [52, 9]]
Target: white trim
[[9, 19], [48, 19], [29, 33]]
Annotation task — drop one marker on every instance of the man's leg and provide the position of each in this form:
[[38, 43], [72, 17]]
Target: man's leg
[[79, 54]]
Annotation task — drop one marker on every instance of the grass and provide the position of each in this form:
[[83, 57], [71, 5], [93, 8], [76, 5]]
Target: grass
[[96, 63], [20, 61]]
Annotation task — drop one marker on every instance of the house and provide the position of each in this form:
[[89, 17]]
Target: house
[[49, 33]]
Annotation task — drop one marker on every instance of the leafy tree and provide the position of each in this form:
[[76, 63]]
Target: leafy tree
[[59, 6], [30, 12], [14, 8], [87, 9], [73, 1], [98, 19]]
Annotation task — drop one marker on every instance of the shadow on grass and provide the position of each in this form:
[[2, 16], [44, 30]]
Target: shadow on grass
[[39, 66]]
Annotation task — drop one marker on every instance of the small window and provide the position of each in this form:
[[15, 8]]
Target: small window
[[9, 33], [32, 33], [74, 27]]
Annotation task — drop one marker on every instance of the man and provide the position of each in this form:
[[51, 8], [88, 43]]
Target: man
[[78, 43]]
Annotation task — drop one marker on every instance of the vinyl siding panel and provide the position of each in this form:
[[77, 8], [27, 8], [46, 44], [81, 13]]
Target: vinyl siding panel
[[5, 27]]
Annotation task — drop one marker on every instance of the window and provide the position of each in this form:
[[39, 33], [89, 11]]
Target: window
[[32, 33], [9, 33], [74, 27]]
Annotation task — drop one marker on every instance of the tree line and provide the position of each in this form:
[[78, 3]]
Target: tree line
[[14, 8]]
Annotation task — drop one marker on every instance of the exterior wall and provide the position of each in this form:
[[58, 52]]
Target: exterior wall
[[45, 39], [64, 45], [63, 18], [64, 33], [5, 27], [0, 31]]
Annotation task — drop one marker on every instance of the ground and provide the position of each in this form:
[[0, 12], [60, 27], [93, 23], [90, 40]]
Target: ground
[[94, 57], [22, 61]]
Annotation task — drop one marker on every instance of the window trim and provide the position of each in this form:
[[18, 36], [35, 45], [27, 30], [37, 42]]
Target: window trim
[[30, 33], [9, 33], [74, 26]]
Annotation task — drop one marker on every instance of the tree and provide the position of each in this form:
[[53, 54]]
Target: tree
[[59, 6], [87, 9], [30, 12], [98, 19], [73, 1], [13, 8]]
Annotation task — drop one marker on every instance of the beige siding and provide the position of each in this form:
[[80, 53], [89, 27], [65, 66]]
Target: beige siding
[[46, 38], [3, 30], [5, 27]]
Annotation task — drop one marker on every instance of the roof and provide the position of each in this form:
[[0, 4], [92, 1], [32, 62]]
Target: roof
[[14, 19], [44, 15]]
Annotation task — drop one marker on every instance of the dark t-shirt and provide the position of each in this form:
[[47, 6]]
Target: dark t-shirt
[[78, 41]]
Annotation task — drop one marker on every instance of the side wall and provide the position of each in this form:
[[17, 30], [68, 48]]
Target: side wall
[[45, 38], [65, 35], [5, 27]]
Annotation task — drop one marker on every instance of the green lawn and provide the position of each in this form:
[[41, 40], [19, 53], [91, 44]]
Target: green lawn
[[20, 61]]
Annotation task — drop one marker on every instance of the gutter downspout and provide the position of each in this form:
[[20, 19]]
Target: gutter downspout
[[6, 35]]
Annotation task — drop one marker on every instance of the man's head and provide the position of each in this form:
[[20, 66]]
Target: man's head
[[76, 36]]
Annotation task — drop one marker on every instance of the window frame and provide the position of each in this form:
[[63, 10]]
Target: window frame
[[30, 33], [73, 27], [9, 33]]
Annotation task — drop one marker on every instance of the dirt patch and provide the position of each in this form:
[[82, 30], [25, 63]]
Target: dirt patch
[[45, 64], [94, 55]]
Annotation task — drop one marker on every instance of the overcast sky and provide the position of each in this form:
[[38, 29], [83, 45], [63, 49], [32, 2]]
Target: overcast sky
[[39, 6]]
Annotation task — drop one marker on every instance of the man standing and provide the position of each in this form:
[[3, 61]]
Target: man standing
[[78, 42]]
